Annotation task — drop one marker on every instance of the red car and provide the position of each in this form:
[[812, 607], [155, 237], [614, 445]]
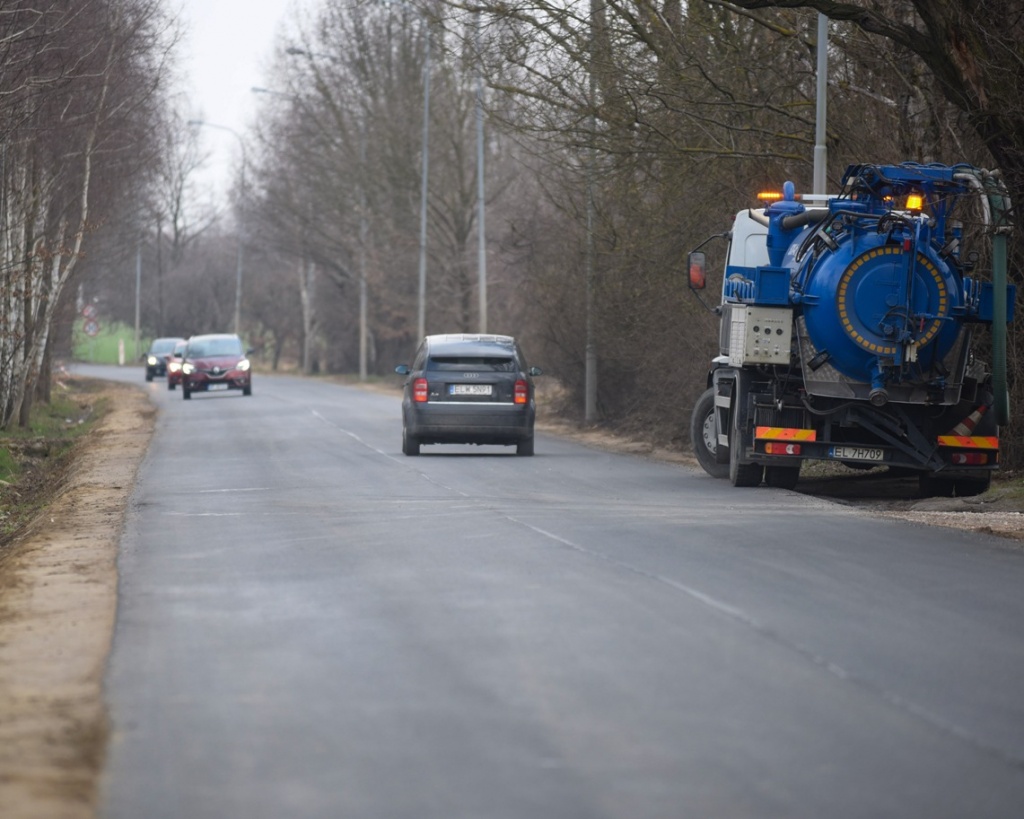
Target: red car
[[215, 362], [174, 362]]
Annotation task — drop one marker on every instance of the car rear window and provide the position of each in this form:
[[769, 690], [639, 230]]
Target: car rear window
[[472, 363]]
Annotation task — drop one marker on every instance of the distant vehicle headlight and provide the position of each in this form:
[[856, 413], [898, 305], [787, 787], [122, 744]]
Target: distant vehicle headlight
[[188, 369], [173, 366], [151, 361], [243, 365]]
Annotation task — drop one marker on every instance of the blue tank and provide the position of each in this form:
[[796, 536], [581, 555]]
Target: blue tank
[[877, 280], [882, 300]]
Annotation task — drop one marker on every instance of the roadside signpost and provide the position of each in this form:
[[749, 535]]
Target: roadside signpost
[[91, 327]]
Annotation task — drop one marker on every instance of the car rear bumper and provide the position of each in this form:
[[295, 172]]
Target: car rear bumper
[[469, 423]]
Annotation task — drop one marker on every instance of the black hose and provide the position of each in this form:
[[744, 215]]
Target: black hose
[[798, 220]]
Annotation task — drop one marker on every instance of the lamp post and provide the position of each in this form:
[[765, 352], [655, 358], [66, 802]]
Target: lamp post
[[241, 226]]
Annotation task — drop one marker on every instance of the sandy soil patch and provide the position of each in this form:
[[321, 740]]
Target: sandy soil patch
[[58, 593]]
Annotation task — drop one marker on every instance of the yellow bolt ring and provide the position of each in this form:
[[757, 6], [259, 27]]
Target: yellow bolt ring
[[844, 313]]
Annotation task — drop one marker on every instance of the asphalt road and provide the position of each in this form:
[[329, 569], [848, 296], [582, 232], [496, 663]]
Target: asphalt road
[[311, 624]]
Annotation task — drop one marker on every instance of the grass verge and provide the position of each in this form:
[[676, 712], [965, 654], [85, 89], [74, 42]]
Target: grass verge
[[34, 458]]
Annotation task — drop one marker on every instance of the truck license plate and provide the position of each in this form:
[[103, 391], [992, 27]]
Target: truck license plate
[[856, 453], [469, 389]]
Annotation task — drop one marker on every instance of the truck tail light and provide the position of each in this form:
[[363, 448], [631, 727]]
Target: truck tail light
[[969, 458], [522, 392], [420, 391], [780, 448]]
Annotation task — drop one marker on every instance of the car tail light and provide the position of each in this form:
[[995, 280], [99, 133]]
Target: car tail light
[[522, 393], [419, 390]]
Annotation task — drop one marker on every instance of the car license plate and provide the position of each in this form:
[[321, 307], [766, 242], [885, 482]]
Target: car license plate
[[856, 453], [217, 387], [469, 389]]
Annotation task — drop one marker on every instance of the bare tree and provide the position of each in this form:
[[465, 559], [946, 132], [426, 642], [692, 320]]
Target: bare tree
[[177, 218], [341, 173], [80, 95]]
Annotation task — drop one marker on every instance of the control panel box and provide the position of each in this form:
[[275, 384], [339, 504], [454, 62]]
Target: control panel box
[[760, 335]]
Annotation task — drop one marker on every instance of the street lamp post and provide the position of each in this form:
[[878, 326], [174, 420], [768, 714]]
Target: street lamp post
[[241, 221]]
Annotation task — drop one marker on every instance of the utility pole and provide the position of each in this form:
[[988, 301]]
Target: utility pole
[[481, 207], [590, 352], [820, 149], [138, 298]]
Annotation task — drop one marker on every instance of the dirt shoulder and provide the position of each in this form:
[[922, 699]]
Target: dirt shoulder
[[58, 596]]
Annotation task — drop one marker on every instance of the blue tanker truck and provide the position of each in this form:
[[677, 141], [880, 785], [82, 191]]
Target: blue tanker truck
[[850, 331]]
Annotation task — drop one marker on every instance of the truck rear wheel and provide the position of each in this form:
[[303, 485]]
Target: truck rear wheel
[[704, 436]]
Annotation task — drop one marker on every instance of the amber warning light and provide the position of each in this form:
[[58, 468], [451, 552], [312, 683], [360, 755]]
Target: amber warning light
[[915, 202], [775, 196]]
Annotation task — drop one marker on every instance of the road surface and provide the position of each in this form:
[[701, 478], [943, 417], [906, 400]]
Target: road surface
[[311, 624]]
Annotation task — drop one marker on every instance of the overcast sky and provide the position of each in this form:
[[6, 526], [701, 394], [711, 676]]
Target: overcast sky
[[227, 48]]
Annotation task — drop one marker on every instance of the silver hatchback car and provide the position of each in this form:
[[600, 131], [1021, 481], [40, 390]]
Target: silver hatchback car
[[468, 389]]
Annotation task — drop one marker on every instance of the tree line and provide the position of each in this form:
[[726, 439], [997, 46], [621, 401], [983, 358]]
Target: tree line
[[617, 136], [80, 87]]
